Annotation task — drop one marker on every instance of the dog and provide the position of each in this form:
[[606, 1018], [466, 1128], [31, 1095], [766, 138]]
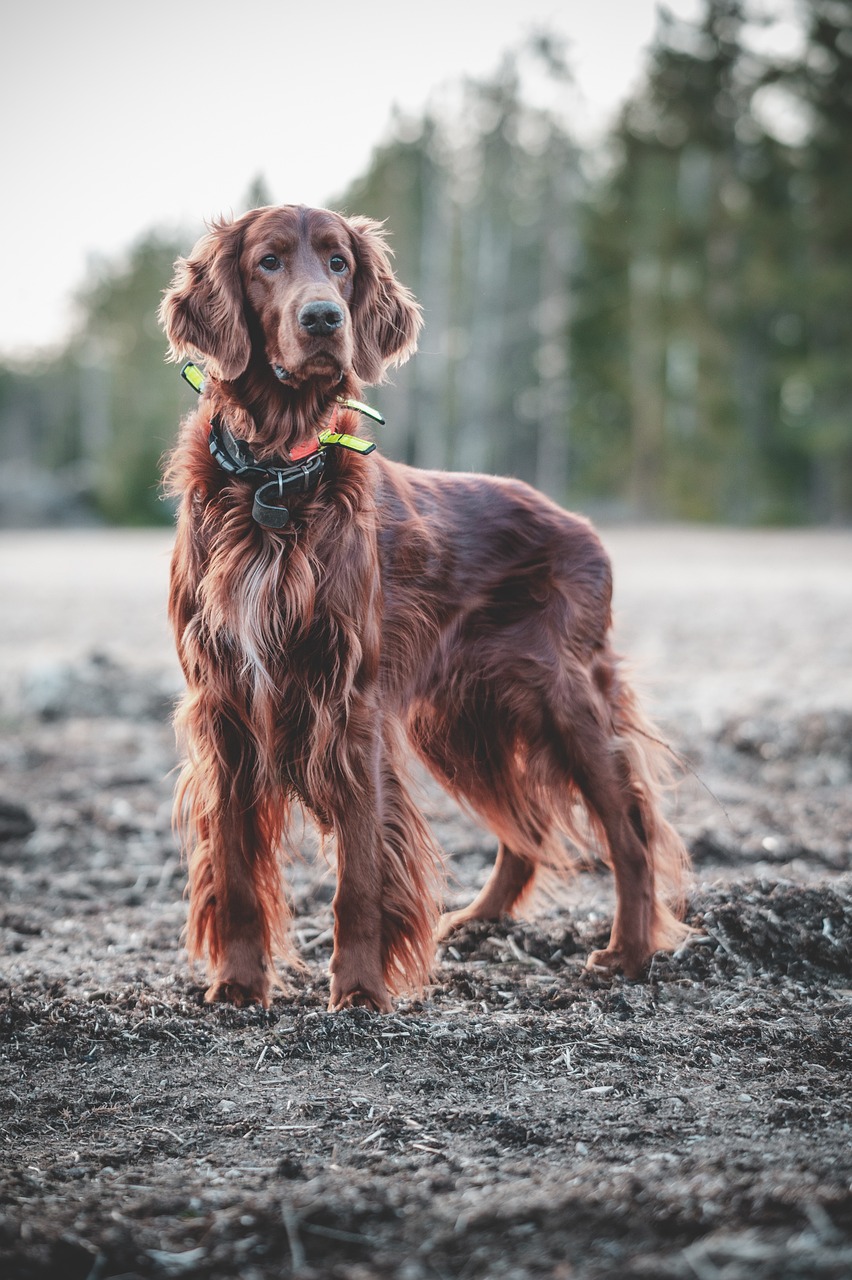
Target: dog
[[333, 609]]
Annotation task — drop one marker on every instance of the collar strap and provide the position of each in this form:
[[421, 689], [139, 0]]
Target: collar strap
[[280, 479], [301, 474]]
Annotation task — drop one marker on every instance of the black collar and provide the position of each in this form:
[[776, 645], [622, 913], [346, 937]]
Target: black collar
[[280, 478]]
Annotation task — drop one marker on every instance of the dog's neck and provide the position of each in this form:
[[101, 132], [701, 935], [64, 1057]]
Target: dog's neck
[[275, 418]]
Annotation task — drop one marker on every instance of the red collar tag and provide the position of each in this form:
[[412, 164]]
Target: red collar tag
[[312, 446], [304, 450]]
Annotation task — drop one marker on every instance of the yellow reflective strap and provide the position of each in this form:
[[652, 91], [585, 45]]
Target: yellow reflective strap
[[346, 442], [360, 407], [193, 375]]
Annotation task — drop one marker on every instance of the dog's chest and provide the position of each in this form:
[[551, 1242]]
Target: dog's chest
[[296, 627]]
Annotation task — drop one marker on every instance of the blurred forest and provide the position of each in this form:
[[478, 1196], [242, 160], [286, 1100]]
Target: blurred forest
[[658, 328]]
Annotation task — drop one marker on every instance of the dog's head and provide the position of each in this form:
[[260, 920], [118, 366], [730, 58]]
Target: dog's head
[[305, 292]]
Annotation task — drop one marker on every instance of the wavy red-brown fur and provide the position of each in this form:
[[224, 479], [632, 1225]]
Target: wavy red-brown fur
[[464, 615]]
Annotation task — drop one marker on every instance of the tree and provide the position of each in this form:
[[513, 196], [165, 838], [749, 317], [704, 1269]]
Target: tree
[[814, 334], [481, 195], [668, 339], [92, 423], [131, 400]]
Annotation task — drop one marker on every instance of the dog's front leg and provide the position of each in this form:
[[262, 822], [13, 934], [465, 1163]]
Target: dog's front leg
[[227, 910], [237, 911], [357, 964]]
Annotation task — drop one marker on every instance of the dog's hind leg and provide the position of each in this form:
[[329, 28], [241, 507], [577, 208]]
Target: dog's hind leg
[[511, 879], [649, 860], [616, 761], [494, 788], [581, 737]]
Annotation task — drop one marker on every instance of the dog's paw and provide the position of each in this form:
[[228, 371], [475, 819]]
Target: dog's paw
[[228, 991], [452, 920], [614, 960], [359, 996], [604, 962]]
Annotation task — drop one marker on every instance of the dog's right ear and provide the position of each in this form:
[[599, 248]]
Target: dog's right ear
[[202, 311]]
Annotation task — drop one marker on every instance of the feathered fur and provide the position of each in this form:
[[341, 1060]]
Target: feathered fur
[[462, 615]]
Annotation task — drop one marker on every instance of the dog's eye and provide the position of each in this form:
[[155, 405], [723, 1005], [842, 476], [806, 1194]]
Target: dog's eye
[[338, 264], [269, 262]]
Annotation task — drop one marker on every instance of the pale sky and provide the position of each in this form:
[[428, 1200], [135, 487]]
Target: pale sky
[[118, 117]]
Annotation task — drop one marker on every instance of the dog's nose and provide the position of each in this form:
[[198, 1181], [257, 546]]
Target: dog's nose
[[320, 317]]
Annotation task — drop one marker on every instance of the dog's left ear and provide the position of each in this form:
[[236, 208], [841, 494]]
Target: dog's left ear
[[203, 311], [386, 316]]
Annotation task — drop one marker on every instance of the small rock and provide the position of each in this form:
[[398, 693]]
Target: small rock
[[16, 822]]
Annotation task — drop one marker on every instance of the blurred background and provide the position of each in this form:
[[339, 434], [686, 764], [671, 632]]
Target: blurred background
[[631, 240]]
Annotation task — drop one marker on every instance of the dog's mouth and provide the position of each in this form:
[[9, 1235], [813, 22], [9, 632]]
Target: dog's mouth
[[322, 366]]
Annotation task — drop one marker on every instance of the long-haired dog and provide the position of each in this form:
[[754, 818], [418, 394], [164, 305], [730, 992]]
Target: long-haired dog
[[332, 608]]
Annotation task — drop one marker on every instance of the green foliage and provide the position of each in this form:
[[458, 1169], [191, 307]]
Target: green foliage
[[481, 199], [670, 337], [720, 255], [136, 399], [98, 418]]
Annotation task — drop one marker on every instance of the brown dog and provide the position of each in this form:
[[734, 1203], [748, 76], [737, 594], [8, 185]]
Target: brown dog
[[332, 607]]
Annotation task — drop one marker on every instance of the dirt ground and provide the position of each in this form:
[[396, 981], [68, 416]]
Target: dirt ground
[[525, 1119]]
